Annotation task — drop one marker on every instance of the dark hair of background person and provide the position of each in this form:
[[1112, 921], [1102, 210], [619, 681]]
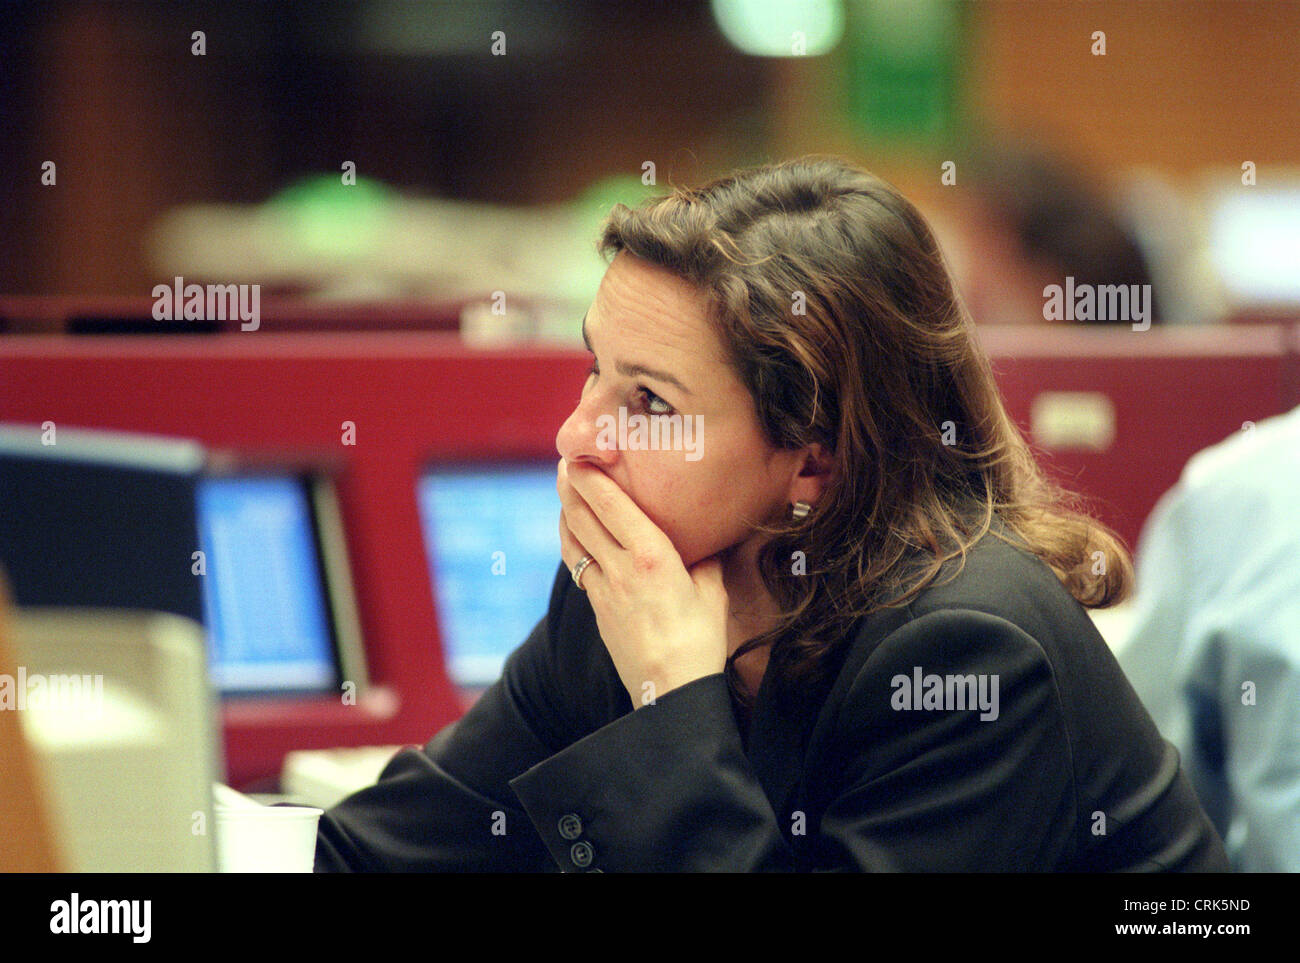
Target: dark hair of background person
[[882, 359], [1057, 218]]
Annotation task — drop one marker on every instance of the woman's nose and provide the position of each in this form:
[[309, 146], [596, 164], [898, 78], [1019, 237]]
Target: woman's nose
[[580, 437]]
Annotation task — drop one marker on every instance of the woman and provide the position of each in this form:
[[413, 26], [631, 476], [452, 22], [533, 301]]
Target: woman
[[844, 630]]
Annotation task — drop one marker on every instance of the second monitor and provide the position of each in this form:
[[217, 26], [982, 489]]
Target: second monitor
[[493, 542]]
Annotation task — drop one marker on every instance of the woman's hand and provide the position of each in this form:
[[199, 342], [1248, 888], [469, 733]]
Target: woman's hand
[[664, 626]]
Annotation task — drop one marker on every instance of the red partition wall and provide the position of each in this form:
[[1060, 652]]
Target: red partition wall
[[412, 398], [1173, 392], [418, 397]]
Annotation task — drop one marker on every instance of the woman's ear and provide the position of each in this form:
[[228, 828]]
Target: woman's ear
[[815, 467]]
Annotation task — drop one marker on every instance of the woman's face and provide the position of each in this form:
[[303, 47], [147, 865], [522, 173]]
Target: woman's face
[[655, 353]]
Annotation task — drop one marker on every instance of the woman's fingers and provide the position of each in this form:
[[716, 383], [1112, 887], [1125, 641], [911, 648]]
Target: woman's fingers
[[583, 523], [572, 552], [620, 518]]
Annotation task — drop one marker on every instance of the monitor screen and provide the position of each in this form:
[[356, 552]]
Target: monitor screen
[[493, 542], [265, 599]]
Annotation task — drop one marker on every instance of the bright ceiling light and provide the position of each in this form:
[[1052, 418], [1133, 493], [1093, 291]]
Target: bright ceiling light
[[781, 28]]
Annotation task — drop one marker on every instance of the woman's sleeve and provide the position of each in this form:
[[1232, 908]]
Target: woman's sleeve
[[448, 806]]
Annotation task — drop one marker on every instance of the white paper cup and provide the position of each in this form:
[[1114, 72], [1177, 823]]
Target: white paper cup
[[267, 839]]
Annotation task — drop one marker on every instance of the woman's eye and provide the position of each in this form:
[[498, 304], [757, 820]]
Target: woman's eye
[[653, 399], [653, 403]]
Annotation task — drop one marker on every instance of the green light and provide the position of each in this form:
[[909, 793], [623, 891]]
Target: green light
[[596, 199], [326, 218], [590, 208]]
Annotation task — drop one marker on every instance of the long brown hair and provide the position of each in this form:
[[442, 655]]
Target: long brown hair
[[832, 298]]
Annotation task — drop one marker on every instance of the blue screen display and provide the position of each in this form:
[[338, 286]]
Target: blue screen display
[[264, 600], [493, 542]]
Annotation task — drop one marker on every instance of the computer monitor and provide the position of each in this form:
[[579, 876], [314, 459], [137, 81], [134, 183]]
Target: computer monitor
[[272, 599], [493, 542], [99, 518]]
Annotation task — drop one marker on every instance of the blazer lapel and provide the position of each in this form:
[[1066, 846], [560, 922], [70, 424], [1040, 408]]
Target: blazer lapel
[[784, 736], [775, 746]]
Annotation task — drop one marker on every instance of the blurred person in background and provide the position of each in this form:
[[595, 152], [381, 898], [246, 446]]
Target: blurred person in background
[[1214, 649], [1030, 222]]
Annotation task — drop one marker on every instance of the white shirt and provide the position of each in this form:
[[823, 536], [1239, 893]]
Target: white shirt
[[1215, 646]]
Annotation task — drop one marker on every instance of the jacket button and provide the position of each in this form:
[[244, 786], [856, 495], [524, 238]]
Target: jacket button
[[570, 826], [581, 854]]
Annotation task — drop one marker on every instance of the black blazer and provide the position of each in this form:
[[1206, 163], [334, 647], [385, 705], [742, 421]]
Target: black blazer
[[553, 769]]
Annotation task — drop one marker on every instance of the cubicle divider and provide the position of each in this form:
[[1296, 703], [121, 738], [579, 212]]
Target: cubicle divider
[[1113, 414]]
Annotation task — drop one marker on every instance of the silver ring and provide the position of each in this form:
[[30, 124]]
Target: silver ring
[[579, 569]]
